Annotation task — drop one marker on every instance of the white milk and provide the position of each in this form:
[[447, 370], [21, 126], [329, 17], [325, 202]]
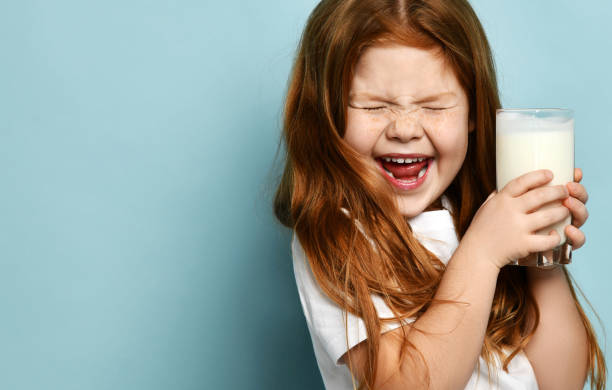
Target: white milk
[[527, 143]]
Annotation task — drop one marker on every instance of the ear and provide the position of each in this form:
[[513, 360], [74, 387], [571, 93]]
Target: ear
[[471, 125]]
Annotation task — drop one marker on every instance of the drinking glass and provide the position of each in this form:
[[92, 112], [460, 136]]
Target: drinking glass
[[532, 139]]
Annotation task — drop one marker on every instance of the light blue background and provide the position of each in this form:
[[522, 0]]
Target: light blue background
[[137, 141]]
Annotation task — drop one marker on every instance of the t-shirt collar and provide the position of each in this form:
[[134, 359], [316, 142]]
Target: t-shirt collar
[[436, 231]]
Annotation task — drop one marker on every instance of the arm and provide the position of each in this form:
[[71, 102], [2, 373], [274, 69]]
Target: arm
[[452, 352], [558, 350], [450, 345]]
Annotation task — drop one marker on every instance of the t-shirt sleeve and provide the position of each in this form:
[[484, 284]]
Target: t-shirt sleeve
[[325, 319]]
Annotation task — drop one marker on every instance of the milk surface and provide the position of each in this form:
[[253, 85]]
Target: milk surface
[[527, 143]]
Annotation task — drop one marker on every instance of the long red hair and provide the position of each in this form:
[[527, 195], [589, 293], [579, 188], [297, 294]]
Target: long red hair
[[322, 174]]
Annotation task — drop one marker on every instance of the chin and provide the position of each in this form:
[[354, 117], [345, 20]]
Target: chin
[[410, 208], [409, 214]]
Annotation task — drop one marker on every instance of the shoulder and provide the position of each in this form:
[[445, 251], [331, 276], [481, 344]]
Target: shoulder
[[297, 251]]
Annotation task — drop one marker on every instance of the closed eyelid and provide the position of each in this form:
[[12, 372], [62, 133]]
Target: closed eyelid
[[372, 102], [398, 109], [440, 107]]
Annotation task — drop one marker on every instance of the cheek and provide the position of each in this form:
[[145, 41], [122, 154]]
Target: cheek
[[449, 131], [362, 132]]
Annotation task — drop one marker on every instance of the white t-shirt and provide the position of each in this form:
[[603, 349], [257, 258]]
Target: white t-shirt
[[325, 319]]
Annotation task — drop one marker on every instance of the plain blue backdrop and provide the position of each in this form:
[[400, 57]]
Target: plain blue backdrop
[[137, 143]]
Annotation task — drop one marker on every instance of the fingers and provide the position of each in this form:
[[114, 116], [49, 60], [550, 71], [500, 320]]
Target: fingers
[[575, 236], [577, 175], [534, 199], [547, 216], [578, 210], [578, 191], [541, 242], [524, 183]]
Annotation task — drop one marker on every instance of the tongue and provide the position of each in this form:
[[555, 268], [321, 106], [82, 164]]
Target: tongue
[[404, 171]]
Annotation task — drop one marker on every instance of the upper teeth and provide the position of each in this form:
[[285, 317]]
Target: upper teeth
[[404, 160]]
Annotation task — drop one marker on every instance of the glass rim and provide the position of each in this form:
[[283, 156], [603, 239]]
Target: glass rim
[[536, 110]]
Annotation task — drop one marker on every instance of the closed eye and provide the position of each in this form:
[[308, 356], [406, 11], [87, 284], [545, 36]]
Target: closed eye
[[438, 108], [373, 108]]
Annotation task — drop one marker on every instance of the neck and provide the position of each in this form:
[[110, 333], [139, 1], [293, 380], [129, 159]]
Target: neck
[[437, 205]]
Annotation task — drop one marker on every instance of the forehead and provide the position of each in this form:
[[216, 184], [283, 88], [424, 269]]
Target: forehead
[[396, 70]]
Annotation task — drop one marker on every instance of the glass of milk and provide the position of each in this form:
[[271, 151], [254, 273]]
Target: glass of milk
[[532, 139]]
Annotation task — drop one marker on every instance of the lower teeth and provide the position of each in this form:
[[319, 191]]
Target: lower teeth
[[422, 172]]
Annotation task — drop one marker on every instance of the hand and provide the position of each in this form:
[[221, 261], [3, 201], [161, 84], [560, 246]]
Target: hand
[[576, 204], [504, 227]]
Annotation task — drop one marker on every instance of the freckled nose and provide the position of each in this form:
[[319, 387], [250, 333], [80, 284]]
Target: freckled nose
[[404, 128]]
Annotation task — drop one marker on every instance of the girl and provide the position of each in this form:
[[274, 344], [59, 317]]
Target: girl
[[400, 239]]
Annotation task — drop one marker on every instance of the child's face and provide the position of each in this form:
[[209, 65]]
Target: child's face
[[404, 101]]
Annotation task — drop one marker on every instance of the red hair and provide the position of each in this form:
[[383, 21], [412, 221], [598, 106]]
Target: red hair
[[322, 174]]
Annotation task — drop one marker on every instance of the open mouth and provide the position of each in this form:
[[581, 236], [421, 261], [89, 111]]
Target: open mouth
[[405, 173]]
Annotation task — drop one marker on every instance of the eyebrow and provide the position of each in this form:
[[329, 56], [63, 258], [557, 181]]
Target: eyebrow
[[426, 99]]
